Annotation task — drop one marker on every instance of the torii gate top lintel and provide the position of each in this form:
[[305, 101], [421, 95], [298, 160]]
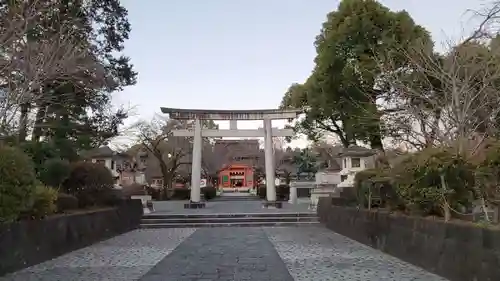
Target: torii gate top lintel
[[216, 114]]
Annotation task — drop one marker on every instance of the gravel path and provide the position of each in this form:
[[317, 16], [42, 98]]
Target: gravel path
[[316, 253], [260, 254], [125, 257]]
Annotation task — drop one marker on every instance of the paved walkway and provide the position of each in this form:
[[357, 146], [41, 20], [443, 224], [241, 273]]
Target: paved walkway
[[236, 254]]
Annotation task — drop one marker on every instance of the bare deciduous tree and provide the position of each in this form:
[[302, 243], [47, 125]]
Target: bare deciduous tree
[[32, 55], [488, 27], [283, 158], [450, 99], [209, 161], [168, 151]]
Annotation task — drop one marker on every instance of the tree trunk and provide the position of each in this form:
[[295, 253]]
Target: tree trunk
[[39, 120], [485, 210], [369, 197], [380, 157], [376, 141], [23, 122], [346, 136], [345, 142], [167, 179], [445, 205], [165, 188], [435, 127]]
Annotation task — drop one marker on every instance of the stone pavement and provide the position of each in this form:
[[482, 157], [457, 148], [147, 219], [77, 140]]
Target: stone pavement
[[267, 253], [224, 254]]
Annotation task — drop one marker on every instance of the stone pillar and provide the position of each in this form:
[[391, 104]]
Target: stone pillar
[[293, 194], [269, 157], [196, 168]]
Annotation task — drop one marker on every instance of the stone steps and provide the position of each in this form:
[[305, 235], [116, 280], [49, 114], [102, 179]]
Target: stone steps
[[236, 198], [228, 220], [233, 224], [231, 190], [227, 215]]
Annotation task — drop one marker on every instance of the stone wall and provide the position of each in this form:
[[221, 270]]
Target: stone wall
[[457, 251], [26, 243]]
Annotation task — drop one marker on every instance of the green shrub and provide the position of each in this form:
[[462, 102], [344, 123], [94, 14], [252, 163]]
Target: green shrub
[[209, 192], [111, 197], [282, 192], [134, 189], [364, 176], [39, 152], [54, 172], [418, 181], [66, 202], [488, 172], [44, 202], [17, 183], [375, 184], [181, 194], [88, 181], [262, 191], [155, 193]]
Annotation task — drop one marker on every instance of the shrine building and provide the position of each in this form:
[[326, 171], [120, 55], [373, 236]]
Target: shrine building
[[237, 161], [236, 176]]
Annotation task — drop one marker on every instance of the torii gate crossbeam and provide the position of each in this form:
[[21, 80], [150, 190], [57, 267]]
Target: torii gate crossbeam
[[234, 133]]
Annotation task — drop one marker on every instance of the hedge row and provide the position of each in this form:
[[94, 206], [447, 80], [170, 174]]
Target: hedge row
[[57, 187]]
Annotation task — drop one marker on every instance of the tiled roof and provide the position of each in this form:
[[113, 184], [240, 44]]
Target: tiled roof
[[103, 151], [357, 151]]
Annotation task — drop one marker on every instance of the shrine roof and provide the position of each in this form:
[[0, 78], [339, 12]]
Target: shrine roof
[[234, 166]]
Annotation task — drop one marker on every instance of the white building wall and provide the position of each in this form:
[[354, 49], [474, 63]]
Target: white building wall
[[140, 178], [349, 171], [325, 177], [108, 164]]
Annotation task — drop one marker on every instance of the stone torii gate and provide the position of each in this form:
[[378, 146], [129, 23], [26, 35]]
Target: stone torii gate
[[267, 115]]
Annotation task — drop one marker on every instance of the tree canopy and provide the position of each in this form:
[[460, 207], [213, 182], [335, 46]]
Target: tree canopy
[[62, 91], [342, 93]]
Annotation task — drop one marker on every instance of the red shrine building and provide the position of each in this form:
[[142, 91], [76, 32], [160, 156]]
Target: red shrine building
[[237, 162], [236, 176]]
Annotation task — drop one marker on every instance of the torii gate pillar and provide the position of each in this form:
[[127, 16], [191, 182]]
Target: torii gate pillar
[[269, 161], [196, 164], [233, 115]]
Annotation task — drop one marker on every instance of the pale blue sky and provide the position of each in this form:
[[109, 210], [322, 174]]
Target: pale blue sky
[[241, 54]]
